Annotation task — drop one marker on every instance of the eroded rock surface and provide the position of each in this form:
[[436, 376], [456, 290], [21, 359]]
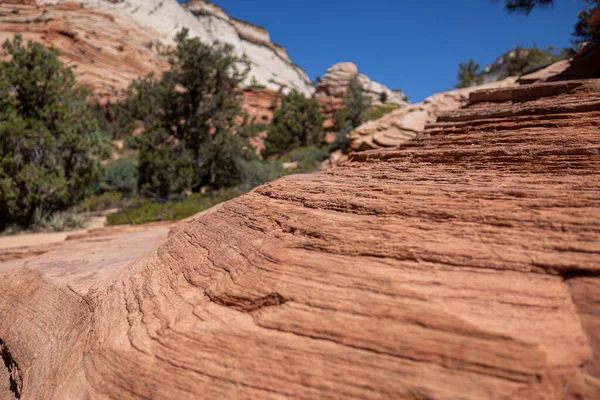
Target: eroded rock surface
[[110, 43], [463, 265], [406, 123], [336, 80]]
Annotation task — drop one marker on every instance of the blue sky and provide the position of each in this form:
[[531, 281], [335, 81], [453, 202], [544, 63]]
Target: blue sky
[[414, 45]]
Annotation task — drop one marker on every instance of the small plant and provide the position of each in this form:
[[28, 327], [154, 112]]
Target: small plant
[[143, 211], [378, 112], [308, 158], [60, 222], [469, 74], [99, 203], [383, 97]]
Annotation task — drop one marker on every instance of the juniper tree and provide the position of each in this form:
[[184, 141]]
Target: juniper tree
[[190, 117], [50, 144]]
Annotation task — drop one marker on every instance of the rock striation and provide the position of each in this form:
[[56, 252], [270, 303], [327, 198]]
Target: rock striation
[[464, 264], [112, 42], [406, 123], [106, 51], [337, 78]]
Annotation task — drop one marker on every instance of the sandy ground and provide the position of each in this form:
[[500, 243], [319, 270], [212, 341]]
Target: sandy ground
[[37, 239]]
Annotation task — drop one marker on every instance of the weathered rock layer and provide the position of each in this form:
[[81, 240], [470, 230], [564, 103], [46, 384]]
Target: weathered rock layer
[[463, 265]]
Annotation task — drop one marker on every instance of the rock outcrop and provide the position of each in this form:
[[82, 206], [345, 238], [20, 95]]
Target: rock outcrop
[[337, 78], [406, 123], [112, 42], [105, 50], [464, 264]]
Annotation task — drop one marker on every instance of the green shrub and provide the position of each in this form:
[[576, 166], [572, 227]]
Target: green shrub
[[308, 158], [103, 202], [378, 112], [298, 122], [50, 145], [143, 211], [60, 222], [524, 61], [258, 172], [469, 74], [120, 176]]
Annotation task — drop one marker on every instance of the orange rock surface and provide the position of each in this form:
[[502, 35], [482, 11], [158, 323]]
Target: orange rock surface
[[105, 51], [463, 265]]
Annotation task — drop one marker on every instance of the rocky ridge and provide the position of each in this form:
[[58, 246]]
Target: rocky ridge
[[463, 264]]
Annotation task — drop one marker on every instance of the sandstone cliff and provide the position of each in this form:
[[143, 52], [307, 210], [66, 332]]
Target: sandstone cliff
[[111, 42], [464, 264]]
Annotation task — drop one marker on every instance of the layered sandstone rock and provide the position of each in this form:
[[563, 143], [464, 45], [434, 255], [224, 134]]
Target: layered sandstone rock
[[404, 124], [104, 49], [110, 43], [337, 78], [464, 264]]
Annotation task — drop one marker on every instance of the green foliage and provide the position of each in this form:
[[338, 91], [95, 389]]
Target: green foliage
[[308, 158], [469, 74], [582, 32], [298, 122], [523, 61], [50, 144], [356, 103], [99, 203], [377, 112], [189, 117], [143, 211], [59, 221], [355, 112], [120, 176], [258, 172], [526, 6]]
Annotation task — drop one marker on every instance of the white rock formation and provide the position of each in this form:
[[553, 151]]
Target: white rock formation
[[337, 78], [271, 66]]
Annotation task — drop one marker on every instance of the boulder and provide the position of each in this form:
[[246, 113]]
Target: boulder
[[336, 80]]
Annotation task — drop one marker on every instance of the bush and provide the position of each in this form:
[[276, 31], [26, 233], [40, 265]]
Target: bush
[[298, 122], [60, 222], [308, 158], [523, 61], [258, 172], [190, 116], [103, 202], [120, 176], [143, 211], [378, 112], [50, 145], [468, 75]]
